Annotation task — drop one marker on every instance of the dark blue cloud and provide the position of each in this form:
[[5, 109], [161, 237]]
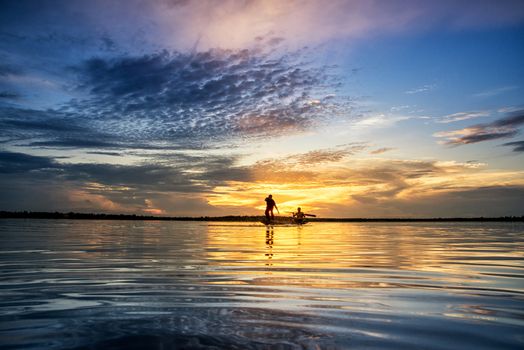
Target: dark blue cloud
[[505, 127], [7, 91], [38, 128], [13, 162], [176, 100], [15, 121], [484, 136], [512, 120], [206, 95], [75, 143], [125, 98], [9, 95], [166, 174], [518, 146], [114, 154], [44, 183]]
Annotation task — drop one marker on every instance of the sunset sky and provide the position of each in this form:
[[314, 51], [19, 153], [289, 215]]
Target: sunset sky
[[345, 108]]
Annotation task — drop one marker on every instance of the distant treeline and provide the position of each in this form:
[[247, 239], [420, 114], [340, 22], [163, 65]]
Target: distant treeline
[[231, 218]]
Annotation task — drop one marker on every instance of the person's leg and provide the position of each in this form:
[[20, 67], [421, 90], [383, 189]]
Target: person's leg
[[272, 215], [267, 214]]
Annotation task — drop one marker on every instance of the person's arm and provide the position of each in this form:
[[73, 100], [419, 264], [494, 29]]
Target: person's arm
[[278, 211]]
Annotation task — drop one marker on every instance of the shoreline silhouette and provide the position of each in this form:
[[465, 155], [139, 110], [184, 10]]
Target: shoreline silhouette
[[234, 218]]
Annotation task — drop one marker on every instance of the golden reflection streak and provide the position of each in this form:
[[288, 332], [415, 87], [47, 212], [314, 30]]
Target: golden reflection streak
[[380, 257]]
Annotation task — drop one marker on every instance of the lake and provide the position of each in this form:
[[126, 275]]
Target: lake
[[88, 284]]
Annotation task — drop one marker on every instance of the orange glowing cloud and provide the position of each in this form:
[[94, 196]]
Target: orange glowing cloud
[[343, 188], [83, 199]]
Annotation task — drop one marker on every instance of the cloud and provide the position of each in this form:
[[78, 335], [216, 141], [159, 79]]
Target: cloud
[[179, 172], [309, 22], [496, 91], [377, 187], [331, 184], [51, 128], [513, 120], [329, 155], [321, 156], [13, 162], [451, 118], [424, 88], [379, 120], [46, 124], [204, 95], [487, 201], [137, 188], [7, 73], [182, 100], [290, 166], [475, 134], [177, 25], [172, 76], [502, 128], [400, 108], [74, 143], [114, 154], [518, 146], [9, 95], [382, 150], [509, 109]]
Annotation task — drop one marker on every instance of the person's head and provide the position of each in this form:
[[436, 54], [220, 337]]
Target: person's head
[[270, 196], [298, 209]]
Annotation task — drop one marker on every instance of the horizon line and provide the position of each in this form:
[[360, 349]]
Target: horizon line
[[246, 218]]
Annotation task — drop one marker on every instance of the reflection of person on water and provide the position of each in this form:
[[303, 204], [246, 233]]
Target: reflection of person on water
[[269, 246], [270, 204]]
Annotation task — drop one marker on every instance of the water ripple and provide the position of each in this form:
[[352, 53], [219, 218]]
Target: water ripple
[[172, 285]]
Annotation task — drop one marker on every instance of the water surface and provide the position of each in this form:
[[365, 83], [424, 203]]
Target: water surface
[[74, 284]]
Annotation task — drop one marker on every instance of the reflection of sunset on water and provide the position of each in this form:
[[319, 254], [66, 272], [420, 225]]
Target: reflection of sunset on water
[[319, 255], [262, 283]]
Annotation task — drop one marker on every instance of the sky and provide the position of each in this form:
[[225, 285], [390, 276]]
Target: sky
[[202, 108]]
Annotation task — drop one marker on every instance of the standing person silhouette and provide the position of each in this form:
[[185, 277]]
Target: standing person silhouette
[[270, 204]]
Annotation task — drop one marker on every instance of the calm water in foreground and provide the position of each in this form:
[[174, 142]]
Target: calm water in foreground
[[67, 284]]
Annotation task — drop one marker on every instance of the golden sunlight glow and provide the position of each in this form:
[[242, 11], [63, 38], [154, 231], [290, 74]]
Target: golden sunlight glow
[[288, 196], [327, 187]]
